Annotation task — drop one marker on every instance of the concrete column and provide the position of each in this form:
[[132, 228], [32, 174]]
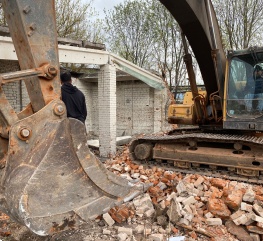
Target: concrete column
[[160, 110], [107, 110]]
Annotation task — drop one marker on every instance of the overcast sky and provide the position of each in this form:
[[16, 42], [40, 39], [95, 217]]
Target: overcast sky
[[100, 5]]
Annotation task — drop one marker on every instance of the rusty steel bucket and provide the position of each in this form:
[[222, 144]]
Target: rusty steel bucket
[[52, 181]]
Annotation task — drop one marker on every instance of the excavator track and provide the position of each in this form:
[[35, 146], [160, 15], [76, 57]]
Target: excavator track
[[235, 157]]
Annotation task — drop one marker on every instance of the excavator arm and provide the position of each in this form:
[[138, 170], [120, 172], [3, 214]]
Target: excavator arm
[[199, 26], [50, 181]]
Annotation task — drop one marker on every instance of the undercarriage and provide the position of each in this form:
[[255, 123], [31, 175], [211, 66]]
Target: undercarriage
[[237, 154]]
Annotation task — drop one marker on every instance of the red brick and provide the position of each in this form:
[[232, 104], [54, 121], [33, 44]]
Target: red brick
[[217, 182], [218, 208]]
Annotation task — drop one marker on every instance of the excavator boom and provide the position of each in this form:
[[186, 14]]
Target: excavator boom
[[198, 22]]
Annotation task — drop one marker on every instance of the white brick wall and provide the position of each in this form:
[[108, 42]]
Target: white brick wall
[[140, 108], [134, 108]]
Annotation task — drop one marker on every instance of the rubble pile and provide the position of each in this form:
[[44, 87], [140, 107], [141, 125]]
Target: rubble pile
[[176, 207], [196, 207]]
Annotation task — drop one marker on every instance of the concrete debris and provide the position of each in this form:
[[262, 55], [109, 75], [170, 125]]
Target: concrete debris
[[258, 209], [174, 211], [127, 231], [108, 219], [249, 196], [139, 229], [214, 221], [156, 237], [185, 207], [106, 231], [181, 238], [122, 236], [246, 207]]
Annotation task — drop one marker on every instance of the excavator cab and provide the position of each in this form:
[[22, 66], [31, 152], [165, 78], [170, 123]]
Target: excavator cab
[[51, 181], [244, 90]]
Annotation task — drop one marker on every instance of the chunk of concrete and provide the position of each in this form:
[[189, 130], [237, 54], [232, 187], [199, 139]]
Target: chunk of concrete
[[156, 237], [249, 195], [106, 231], [181, 188], [128, 231], [209, 215], [108, 219], [122, 236], [258, 209], [257, 218], [237, 214], [189, 200], [174, 211], [122, 140], [179, 238], [214, 221], [243, 219], [246, 207], [199, 181], [139, 229]]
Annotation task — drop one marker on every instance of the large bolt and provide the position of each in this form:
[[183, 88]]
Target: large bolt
[[33, 26], [238, 146], [27, 9], [24, 133], [52, 70], [59, 110]]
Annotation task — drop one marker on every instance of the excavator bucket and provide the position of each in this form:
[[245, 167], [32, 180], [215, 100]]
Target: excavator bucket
[[52, 181]]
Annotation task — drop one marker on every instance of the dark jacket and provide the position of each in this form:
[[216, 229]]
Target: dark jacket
[[75, 102], [259, 85]]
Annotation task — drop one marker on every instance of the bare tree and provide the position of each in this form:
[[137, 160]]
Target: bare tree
[[129, 33], [76, 20], [240, 22], [2, 17], [145, 33], [168, 45]]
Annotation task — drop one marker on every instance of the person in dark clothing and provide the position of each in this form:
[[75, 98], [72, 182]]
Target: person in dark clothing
[[255, 90], [73, 98]]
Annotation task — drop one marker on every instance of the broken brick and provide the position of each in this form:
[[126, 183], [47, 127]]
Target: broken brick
[[218, 208], [233, 199], [219, 183]]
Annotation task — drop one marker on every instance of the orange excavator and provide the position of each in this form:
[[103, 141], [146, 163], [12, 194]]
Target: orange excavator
[[225, 122], [50, 181]]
